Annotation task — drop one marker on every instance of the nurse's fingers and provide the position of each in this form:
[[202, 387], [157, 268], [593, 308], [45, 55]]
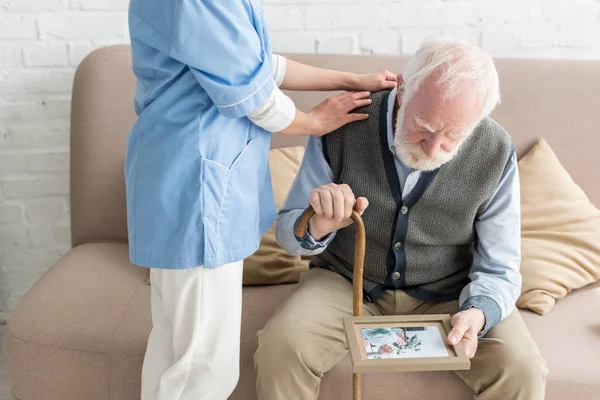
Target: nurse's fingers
[[356, 117], [358, 95], [354, 104], [350, 97]]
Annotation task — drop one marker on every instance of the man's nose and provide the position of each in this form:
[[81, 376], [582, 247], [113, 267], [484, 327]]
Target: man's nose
[[432, 148]]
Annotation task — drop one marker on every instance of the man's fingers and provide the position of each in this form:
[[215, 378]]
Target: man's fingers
[[326, 202], [361, 204], [460, 325], [314, 199], [469, 340], [349, 200], [338, 203], [455, 335]]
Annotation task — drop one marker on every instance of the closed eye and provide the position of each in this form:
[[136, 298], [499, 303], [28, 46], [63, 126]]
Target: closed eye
[[457, 136]]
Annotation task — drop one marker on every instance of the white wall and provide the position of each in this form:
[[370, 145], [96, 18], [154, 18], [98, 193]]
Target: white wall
[[42, 41]]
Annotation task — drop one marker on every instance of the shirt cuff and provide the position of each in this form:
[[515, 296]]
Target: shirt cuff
[[276, 113], [279, 65], [308, 242], [491, 310]]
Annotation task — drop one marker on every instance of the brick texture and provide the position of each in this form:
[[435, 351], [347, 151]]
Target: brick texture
[[42, 42]]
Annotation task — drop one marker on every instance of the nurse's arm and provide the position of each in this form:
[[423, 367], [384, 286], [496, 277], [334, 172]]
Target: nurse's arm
[[279, 114], [300, 76]]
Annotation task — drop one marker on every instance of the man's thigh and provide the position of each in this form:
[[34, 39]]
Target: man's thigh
[[507, 361], [310, 320]]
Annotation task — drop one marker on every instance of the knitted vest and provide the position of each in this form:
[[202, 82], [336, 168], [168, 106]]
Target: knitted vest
[[423, 245]]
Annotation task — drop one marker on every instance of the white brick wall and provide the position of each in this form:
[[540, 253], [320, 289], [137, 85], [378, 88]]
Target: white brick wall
[[42, 41]]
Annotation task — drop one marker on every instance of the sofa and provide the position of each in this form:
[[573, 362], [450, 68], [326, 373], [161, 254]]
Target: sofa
[[81, 331]]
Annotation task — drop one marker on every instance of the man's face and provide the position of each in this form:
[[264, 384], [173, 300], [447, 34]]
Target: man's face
[[430, 128]]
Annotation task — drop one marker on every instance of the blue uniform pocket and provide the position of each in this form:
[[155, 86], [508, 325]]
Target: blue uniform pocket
[[230, 208]]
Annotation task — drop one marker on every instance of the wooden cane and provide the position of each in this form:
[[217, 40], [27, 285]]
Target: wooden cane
[[359, 259]]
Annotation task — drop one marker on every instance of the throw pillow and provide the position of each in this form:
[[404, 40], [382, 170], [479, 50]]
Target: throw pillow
[[560, 231]]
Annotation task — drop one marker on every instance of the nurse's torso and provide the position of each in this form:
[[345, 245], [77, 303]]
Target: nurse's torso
[[198, 185]]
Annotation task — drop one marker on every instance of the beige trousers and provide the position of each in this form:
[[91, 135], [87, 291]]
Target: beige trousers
[[305, 338]]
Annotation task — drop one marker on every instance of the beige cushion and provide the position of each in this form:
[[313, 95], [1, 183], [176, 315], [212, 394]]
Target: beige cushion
[[81, 331], [270, 264], [560, 231]]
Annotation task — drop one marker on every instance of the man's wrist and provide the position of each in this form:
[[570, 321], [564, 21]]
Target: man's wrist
[[482, 313], [315, 233], [490, 309], [308, 242]]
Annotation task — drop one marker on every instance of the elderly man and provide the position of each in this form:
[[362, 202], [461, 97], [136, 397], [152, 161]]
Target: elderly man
[[436, 180]]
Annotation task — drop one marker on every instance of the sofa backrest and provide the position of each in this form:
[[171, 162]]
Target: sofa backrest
[[554, 99]]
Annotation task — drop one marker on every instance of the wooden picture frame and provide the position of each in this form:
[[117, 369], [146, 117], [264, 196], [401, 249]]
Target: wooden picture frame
[[405, 354]]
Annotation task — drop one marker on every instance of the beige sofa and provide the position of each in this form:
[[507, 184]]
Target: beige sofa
[[80, 333]]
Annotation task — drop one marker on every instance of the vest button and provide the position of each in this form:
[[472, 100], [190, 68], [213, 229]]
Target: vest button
[[396, 276], [397, 245], [403, 210]]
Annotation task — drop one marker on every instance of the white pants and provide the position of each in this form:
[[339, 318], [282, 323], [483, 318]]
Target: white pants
[[194, 347]]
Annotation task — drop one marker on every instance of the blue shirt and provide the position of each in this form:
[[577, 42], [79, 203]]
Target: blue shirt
[[495, 279], [196, 171]]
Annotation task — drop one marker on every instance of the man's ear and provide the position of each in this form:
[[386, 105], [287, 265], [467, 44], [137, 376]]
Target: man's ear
[[400, 90], [400, 80]]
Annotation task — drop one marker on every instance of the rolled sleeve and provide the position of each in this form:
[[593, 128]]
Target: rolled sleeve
[[308, 242], [489, 307], [276, 113], [279, 64], [219, 42]]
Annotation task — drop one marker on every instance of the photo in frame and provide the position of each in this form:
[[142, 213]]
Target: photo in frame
[[403, 343]]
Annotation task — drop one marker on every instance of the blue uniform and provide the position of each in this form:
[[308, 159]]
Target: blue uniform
[[198, 182]]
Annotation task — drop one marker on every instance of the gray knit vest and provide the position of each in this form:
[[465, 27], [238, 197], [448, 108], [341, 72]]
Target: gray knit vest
[[423, 245]]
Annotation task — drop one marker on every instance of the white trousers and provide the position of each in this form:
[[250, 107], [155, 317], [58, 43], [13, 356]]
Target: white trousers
[[194, 347]]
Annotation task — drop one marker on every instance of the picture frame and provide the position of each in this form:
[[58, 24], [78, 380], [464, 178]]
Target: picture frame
[[403, 343]]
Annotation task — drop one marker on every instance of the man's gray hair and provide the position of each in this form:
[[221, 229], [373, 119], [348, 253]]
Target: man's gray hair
[[456, 61]]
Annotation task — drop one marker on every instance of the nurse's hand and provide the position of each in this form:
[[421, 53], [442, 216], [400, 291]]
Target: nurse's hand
[[377, 81], [331, 114], [335, 112], [333, 205]]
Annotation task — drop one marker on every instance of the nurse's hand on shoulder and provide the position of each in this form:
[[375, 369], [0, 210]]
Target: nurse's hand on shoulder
[[336, 112], [377, 81], [333, 205], [331, 114]]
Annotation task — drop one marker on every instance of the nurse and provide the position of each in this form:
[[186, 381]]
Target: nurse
[[199, 193]]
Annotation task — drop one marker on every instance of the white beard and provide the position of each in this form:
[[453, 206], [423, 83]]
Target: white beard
[[412, 154]]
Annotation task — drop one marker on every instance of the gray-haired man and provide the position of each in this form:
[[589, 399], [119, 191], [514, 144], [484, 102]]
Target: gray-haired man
[[437, 183]]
